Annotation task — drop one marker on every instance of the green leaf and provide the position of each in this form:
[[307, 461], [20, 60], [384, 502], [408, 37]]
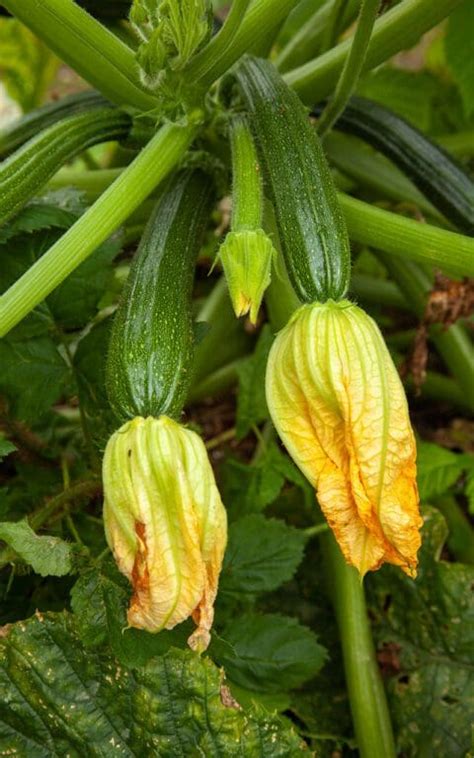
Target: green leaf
[[459, 46], [249, 489], [89, 369], [28, 237], [438, 469], [251, 403], [269, 652], [59, 698], [409, 94], [74, 302], [469, 490], [33, 375], [38, 215], [100, 600], [6, 447], [428, 624], [48, 556], [261, 554]]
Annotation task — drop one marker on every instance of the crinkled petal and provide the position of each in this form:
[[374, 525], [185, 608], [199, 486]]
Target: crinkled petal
[[339, 406], [165, 521]]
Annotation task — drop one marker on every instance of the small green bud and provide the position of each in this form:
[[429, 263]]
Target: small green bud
[[246, 258]]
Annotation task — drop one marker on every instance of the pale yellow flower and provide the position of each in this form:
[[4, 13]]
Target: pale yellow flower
[[165, 524], [339, 406]]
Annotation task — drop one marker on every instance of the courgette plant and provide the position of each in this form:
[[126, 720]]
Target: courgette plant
[[198, 111]]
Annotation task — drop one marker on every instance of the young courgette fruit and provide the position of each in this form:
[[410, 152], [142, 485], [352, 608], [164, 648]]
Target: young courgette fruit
[[440, 178], [310, 223], [24, 128], [149, 362], [29, 168]]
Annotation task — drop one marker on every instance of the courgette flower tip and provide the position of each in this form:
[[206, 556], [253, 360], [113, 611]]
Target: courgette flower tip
[[165, 524], [338, 404]]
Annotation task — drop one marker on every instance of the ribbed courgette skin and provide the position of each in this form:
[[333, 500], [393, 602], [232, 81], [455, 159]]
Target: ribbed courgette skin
[[22, 129], [310, 223], [30, 167], [440, 178], [150, 356]]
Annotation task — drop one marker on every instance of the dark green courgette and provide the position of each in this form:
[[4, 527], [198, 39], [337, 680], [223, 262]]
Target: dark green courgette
[[29, 168], [150, 358], [440, 178], [310, 223], [24, 128]]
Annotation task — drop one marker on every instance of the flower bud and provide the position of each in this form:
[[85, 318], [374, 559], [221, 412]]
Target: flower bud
[[246, 258], [165, 524], [339, 406]]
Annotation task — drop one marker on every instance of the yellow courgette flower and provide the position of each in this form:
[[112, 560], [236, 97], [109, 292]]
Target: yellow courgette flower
[[165, 524], [337, 402]]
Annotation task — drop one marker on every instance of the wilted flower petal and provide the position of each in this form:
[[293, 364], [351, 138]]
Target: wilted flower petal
[[165, 523], [339, 406]]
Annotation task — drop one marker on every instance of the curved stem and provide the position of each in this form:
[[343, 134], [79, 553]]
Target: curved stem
[[332, 24], [87, 46], [217, 382], [408, 239], [260, 23], [352, 66], [351, 156], [247, 192], [307, 40], [367, 699], [133, 185], [201, 64], [396, 30]]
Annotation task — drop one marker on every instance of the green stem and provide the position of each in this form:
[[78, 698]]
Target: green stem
[[200, 66], [439, 387], [316, 530], [461, 535], [453, 344], [375, 172], [226, 340], [396, 30], [376, 291], [260, 23], [247, 191], [368, 703], [408, 239], [366, 693], [352, 66], [332, 24], [308, 39], [217, 382], [133, 185], [87, 46], [367, 225], [92, 183]]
